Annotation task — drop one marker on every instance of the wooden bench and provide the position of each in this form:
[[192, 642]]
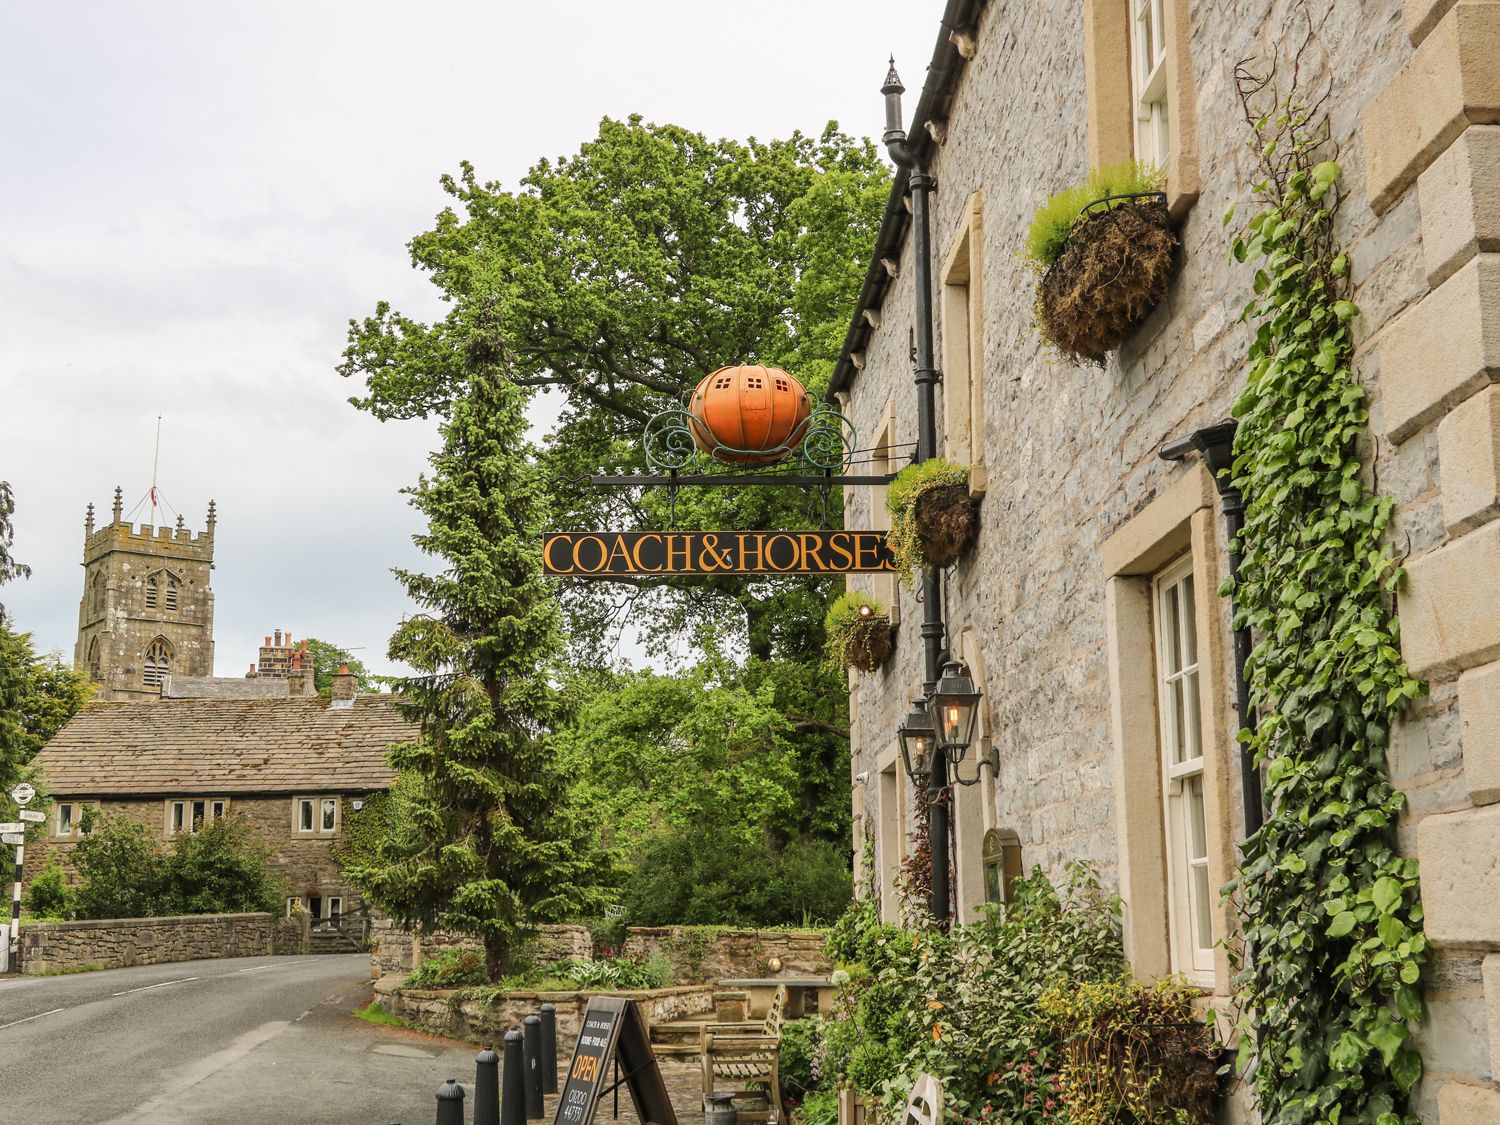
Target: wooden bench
[[743, 1059]]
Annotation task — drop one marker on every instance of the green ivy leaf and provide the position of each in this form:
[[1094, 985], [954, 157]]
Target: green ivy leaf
[[1342, 924], [1386, 895], [1406, 1068]]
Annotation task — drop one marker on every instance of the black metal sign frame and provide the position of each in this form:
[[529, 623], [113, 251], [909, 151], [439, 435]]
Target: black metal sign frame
[[613, 1024]]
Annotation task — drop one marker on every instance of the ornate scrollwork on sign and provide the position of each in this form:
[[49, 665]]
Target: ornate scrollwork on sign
[[668, 440], [827, 440]]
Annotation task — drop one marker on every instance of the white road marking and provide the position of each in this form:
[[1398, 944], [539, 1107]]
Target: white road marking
[[190, 1076], [148, 987], [28, 1019], [272, 965]]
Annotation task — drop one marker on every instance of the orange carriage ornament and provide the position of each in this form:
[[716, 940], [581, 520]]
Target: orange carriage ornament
[[748, 415]]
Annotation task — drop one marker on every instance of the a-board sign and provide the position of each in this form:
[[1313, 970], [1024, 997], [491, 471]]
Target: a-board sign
[[609, 554], [613, 1031]]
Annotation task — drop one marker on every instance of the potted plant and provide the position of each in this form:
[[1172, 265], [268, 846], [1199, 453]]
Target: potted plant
[[932, 515], [859, 632], [1105, 250]]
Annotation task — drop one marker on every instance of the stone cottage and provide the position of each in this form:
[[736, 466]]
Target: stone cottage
[[1086, 608], [293, 769]]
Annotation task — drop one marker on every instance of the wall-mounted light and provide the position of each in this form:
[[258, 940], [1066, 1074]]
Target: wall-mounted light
[[957, 702], [918, 737]]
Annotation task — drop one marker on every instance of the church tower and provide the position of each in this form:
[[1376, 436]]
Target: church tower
[[147, 610]]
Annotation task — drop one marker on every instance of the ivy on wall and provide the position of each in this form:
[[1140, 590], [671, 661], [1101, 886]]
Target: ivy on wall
[[1332, 918]]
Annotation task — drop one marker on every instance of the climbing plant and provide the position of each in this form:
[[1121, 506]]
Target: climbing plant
[[1332, 919]]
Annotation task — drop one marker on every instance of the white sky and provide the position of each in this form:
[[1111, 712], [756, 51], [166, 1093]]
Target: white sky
[[195, 197]]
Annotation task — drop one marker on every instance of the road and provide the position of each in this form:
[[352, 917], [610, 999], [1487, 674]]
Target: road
[[247, 1040]]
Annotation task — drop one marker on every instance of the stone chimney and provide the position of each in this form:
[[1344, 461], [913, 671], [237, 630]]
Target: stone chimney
[[342, 695]]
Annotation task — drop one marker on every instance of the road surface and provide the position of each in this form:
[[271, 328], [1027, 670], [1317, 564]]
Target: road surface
[[247, 1040]]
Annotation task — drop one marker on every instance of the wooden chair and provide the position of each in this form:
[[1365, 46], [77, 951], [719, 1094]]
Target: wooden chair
[[744, 1058], [925, 1106]]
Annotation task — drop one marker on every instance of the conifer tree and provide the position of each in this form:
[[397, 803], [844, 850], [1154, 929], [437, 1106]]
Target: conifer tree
[[488, 844]]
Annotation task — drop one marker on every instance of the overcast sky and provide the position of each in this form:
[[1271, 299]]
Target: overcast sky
[[195, 198]]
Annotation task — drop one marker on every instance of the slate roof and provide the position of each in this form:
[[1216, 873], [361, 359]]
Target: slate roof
[[180, 747]]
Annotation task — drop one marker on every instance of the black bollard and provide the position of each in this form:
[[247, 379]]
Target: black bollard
[[450, 1103], [513, 1081], [532, 1040], [487, 1087], [549, 1048]]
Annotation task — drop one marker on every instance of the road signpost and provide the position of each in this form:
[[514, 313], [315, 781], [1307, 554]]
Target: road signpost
[[15, 834], [36, 816]]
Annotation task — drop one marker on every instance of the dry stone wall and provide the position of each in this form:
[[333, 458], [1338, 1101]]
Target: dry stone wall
[[708, 954], [118, 943], [394, 949]]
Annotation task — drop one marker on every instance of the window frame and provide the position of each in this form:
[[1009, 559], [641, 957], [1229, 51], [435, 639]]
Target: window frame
[[190, 822], [1148, 74], [75, 820], [315, 804], [962, 305], [1178, 677], [157, 662]]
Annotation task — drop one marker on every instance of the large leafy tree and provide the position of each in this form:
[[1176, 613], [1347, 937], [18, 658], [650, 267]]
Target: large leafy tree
[[616, 279], [328, 658], [487, 843]]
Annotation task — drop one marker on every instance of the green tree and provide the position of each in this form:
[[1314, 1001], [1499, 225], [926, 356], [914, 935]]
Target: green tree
[[328, 658], [122, 870], [617, 278], [490, 845], [38, 694], [219, 869], [10, 570]]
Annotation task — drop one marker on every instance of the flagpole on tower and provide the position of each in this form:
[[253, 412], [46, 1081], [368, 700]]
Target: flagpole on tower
[[155, 461]]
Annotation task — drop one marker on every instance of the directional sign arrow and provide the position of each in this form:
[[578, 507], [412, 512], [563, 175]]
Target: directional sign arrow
[[12, 838], [36, 816], [12, 826]]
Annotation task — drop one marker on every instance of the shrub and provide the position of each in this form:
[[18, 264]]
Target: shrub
[[920, 538], [608, 934], [122, 870], [1054, 219], [1132, 1052], [49, 895], [450, 968], [800, 1065], [219, 869], [859, 632], [820, 1108]]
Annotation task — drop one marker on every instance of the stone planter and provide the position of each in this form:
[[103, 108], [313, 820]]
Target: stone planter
[[1113, 271]]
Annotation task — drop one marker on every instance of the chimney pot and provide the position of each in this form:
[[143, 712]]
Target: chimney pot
[[252, 669], [268, 641]]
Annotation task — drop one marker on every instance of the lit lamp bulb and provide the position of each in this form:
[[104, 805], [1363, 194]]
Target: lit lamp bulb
[[866, 611]]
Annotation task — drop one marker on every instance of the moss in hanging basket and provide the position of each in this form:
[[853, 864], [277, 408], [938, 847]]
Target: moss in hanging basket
[[1106, 262], [859, 632], [932, 516]]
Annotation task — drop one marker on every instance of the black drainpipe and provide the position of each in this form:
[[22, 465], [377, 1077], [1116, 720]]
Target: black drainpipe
[[1216, 445], [922, 186]]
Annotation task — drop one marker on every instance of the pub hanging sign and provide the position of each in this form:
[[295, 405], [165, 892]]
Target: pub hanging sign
[[611, 554]]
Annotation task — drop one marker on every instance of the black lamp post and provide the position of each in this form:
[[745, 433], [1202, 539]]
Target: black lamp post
[[918, 737]]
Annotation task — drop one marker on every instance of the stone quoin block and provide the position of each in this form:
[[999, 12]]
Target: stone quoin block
[[1442, 349], [1423, 15], [1491, 975], [1468, 1105], [1460, 858], [1460, 201], [1479, 726], [1452, 81], [1450, 616], [1469, 461]]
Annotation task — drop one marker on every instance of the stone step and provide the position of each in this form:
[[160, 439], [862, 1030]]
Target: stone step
[[675, 1050]]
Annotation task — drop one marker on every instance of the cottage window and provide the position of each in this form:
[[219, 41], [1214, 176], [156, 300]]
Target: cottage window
[[963, 341], [293, 905], [158, 663], [1148, 68], [68, 820], [1002, 864], [192, 813], [1189, 889], [335, 907], [317, 816]]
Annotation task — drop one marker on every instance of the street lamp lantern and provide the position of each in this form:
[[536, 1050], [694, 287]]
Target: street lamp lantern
[[957, 701], [918, 737]]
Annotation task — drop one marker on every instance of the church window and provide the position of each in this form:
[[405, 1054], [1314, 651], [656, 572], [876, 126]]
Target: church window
[[170, 597], [96, 593], [151, 592], [158, 662], [93, 658]]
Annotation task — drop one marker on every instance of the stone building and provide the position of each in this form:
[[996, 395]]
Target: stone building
[[1090, 543], [147, 611], [293, 769]]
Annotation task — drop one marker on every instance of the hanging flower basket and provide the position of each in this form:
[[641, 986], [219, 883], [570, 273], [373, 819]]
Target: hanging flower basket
[[859, 631], [932, 515], [1113, 270]]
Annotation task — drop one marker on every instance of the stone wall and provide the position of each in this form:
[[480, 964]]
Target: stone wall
[[394, 949], [1069, 454], [117, 943], [443, 1013], [709, 954]]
